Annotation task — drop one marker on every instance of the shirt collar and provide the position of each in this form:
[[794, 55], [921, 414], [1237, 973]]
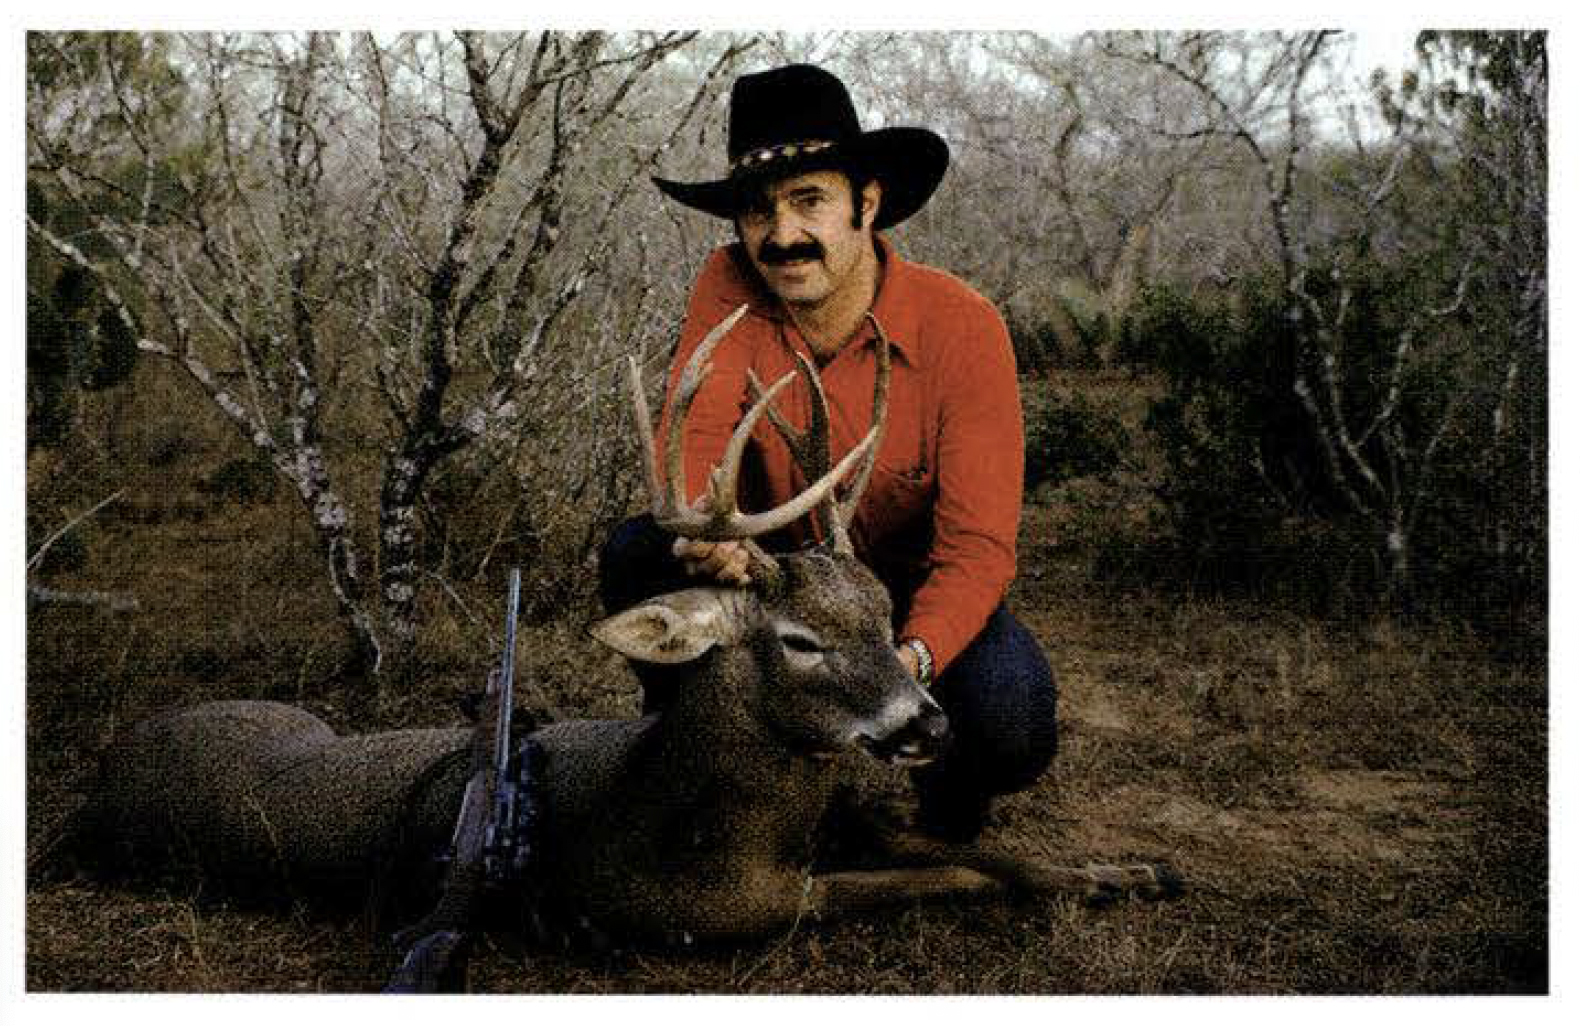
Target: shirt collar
[[895, 306]]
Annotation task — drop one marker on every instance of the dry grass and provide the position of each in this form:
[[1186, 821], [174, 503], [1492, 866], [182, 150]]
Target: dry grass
[[1356, 808]]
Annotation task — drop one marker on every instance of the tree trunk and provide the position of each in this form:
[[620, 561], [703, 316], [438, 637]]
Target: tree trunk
[[403, 477]]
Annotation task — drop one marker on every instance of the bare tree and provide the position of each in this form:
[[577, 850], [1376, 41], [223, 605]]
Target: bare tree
[[1474, 116], [1094, 157], [362, 241]]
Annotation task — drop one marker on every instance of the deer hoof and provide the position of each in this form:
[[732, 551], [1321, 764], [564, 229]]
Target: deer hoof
[[1151, 881], [1160, 882]]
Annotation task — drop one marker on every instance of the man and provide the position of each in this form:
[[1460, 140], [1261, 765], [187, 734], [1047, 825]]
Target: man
[[808, 193]]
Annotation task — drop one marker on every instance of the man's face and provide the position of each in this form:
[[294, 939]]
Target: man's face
[[802, 235]]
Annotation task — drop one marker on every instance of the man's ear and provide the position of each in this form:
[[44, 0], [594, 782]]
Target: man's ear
[[670, 629], [871, 202]]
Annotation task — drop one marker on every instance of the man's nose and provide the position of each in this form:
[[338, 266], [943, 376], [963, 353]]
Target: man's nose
[[785, 229]]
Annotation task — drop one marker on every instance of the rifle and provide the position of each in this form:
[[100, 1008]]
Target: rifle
[[491, 844]]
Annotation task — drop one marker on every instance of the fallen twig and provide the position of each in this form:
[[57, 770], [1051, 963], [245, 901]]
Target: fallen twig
[[37, 556], [117, 603]]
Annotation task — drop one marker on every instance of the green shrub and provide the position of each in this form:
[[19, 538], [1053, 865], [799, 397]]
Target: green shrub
[[247, 480], [1064, 335], [1068, 437], [75, 343], [1247, 497]]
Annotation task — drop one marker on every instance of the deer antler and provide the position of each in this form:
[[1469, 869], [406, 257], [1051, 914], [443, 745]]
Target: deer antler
[[717, 516], [811, 447]]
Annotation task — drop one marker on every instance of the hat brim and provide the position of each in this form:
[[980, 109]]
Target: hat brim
[[910, 162]]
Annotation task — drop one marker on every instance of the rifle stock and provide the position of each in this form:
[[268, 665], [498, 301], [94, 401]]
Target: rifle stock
[[435, 964]]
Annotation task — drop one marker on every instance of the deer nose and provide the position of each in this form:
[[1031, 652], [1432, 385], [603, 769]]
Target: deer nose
[[921, 739], [932, 726]]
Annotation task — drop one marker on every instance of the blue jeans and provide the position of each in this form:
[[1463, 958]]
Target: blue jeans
[[999, 693], [1002, 703]]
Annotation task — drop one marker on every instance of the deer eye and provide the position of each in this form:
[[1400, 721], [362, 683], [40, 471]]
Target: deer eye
[[802, 647], [801, 643]]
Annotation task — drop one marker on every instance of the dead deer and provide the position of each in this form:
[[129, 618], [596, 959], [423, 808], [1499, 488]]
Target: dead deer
[[696, 822]]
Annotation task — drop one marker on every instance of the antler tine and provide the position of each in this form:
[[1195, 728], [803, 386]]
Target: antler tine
[[724, 520], [691, 379], [718, 525], [791, 436], [880, 418], [719, 517], [809, 447], [815, 453], [752, 524], [722, 485], [644, 434]]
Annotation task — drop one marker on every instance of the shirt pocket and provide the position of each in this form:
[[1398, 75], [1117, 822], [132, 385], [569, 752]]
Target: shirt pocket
[[898, 504], [904, 455]]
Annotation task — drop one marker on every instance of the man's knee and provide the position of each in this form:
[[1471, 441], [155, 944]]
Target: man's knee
[[1002, 702], [637, 562]]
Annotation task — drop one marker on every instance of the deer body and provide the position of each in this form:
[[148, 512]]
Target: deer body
[[697, 822], [721, 851], [256, 793]]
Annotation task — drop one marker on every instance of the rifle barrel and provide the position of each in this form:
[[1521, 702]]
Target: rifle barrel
[[507, 671]]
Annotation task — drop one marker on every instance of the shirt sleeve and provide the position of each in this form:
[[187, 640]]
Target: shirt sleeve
[[981, 465]]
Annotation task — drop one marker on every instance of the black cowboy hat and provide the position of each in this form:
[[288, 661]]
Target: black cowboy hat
[[799, 118]]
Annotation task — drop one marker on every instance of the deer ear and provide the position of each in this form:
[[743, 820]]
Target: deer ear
[[674, 628]]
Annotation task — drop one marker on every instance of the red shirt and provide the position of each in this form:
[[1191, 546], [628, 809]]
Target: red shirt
[[938, 521]]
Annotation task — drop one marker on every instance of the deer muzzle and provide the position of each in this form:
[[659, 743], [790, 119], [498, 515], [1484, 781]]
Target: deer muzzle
[[909, 733]]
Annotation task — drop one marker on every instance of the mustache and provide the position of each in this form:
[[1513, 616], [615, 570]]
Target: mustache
[[773, 253]]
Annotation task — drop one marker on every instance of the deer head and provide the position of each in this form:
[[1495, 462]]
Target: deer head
[[816, 624]]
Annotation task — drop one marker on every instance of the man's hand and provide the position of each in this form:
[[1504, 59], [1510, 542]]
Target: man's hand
[[723, 561], [907, 656]]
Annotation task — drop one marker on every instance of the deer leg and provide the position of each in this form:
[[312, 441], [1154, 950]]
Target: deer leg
[[1094, 882], [1097, 882], [838, 894]]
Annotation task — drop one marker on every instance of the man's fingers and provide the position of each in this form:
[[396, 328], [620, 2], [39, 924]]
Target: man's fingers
[[690, 548], [727, 562], [695, 556], [734, 568], [724, 561]]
